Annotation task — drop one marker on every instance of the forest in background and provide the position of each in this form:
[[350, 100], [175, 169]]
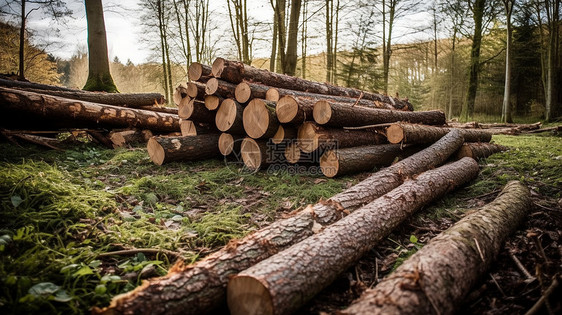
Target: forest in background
[[342, 42]]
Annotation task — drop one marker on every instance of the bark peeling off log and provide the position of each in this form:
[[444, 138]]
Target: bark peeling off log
[[290, 278], [438, 276]]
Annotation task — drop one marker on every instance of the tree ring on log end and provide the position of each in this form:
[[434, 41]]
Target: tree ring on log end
[[155, 151], [179, 93], [187, 128], [212, 86], [251, 153], [217, 67], [226, 144], [256, 119], [322, 112], [279, 136], [192, 90], [226, 115], [243, 92], [185, 109], [272, 94], [329, 163], [308, 139], [395, 134], [212, 102], [286, 109], [247, 296], [195, 71]]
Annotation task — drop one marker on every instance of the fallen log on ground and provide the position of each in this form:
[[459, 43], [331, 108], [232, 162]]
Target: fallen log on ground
[[24, 108], [437, 278], [311, 137], [335, 114], [201, 287], [198, 71], [420, 134], [344, 161], [479, 150], [259, 119], [284, 282], [129, 137], [236, 72], [169, 149], [229, 117]]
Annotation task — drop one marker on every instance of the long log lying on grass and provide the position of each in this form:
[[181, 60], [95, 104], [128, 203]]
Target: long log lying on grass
[[201, 287], [311, 137], [344, 161], [259, 119], [192, 109], [198, 71], [437, 278], [236, 72], [330, 113], [169, 149], [411, 133], [229, 117], [479, 150], [20, 107], [287, 280], [128, 137]]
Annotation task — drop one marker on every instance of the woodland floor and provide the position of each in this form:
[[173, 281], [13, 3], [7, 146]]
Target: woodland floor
[[62, 211]]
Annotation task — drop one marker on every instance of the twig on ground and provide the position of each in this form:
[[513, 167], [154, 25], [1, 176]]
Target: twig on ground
[[522, 268], [533, 310]]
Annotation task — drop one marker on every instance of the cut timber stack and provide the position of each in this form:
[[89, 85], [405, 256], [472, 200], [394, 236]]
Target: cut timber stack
[[294, 120]]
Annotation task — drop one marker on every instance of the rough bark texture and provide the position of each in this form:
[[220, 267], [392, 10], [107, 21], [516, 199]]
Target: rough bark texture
[[410, 133], [479, 151], [436, 279], [260, 120], [284, 133], [31, 85], [290, 278], [179, 93], [201, 287], [198, 71], [362, 158], [128, 137], [196, 111], [311, 137], [336, 114], [160, 109], [23, 107], [169, 149], [236, 72], [343, 99], [229, 117]]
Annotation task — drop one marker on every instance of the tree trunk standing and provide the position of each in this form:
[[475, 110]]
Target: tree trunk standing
[[281, 7], [452, 75], [162, 47], [506, 110], [282, 283], [168, 65], [290, 64], [187, 53], [273, 55], [203, 284], [553, 61], [329, 4], [438, 277], [387, 50], [22, 42], [99, 77], [304, 34], [477, 14]]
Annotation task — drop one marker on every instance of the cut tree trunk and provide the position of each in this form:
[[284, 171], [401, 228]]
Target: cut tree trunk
[[161, 109], [190, 128], [277, 92], [212, 102], [294, 109], [245, 91], [179, 93], [284, 133], [198, 71], [220, 88], [129, 137], [230, 143], [201, 287], [437, 278], [259, 119], [363, 158], [479, 151], [311, 137], [229, 117], [284, 282], [336, 114], [196, 90], [255, 153], [31, 85], [236, 72], [24, 108], [132, 100], [420, 134], [196, 111], [272, 94], [169, 149]]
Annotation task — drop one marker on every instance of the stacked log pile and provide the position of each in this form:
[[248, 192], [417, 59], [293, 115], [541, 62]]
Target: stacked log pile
[[268, 118]]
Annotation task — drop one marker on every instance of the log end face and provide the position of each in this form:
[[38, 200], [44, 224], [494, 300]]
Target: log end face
[[195, 71], [395, 133], [279, 136], [185, 108], [218, 67], [211, 86], [307, 137], [272, 94], [192, 89], [226, 115], [212, 102], [255, 119], [286, 109], [243, 92], [322, 112], [187, 128], [179, 94], [226, 143], [155, 151], [247, 295], [251, 154], [329, 163]]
